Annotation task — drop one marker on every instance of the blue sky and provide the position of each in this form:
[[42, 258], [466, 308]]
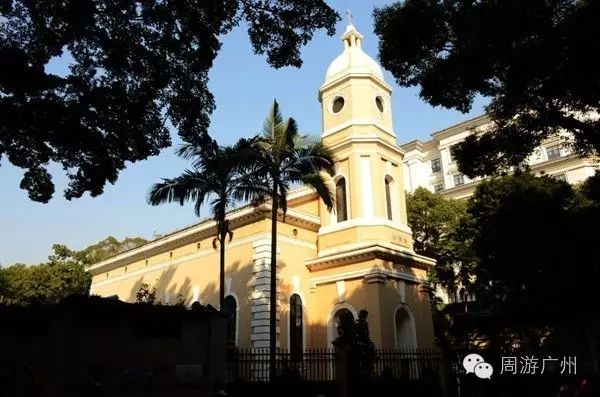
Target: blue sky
[[244, 87]]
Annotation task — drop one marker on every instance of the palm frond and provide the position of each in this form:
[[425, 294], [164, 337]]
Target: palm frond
[[282, 192], [314, 157], [273, 121], [197, 153], [244, 155], [288, 135], [320, 184], [188, 186]]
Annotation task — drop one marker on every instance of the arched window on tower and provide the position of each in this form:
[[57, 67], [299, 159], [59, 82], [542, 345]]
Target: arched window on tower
[[230, 310], [388, 197], [405, 329], [296, 324], [341, 203]]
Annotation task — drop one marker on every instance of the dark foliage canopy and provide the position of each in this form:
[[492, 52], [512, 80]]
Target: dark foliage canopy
[[537, 59], [135, 66], [63, 275], [532, 262]]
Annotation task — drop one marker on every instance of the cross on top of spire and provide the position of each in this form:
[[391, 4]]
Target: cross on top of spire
[[349, 13], [351, 36]]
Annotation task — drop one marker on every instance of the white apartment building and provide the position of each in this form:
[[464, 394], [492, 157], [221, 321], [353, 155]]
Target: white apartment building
[[431, 165]]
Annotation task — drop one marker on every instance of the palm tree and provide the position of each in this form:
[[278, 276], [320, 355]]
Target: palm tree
[[283, 158], [214, 179]]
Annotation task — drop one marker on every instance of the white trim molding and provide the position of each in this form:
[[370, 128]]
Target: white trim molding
[[353, 253], [238, 217], [200, 254], [353, 122], [366, 182], [366, 272], [362, 221]]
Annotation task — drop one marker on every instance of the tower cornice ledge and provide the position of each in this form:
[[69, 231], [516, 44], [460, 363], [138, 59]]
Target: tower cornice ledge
[[366, 251], [350, 74], [357, 122], [367, 139], [372, 273]]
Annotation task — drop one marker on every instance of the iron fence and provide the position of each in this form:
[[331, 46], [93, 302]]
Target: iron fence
[[407, 363], [252, 365]]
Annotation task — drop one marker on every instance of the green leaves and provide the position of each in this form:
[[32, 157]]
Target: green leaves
[[134, 66], [432, 218], [530, 253], [534, 59], [284, 157], [44, 283], [63, 275]]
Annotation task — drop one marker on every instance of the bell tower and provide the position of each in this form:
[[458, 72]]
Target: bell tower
[[357, 127]]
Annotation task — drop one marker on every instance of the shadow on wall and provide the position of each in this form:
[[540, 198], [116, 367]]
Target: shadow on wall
[[168, 291], [314, 333], [399, 317]]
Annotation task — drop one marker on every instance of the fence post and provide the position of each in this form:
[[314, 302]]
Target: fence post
[[445, 368], [342, 370]]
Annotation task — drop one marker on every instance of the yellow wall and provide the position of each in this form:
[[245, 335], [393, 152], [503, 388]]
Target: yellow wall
[[364, 146]]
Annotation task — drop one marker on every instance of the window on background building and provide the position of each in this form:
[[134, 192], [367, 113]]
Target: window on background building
[[459, 179], [553, 152], [341, 204], [438, 187], [388, 197], [296, 336], [560, 177], [230, 310], [451, 152], [436, 165]]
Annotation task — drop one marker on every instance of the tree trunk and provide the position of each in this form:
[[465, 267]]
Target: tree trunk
[[273, 292], [222, 272]]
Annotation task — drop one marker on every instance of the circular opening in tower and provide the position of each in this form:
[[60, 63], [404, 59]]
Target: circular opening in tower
[[338, 104], [379, 103]]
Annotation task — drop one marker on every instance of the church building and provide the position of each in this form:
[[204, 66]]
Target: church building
[[331, 264]]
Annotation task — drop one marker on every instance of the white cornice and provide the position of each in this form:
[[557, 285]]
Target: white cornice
[[343, 77], [372, 271], [352, 122], [359, 139], [413, 145], [463, 126], [369, 250], [300, 192], [363, 222], [564, 161], [238, 217], [200, 254]]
